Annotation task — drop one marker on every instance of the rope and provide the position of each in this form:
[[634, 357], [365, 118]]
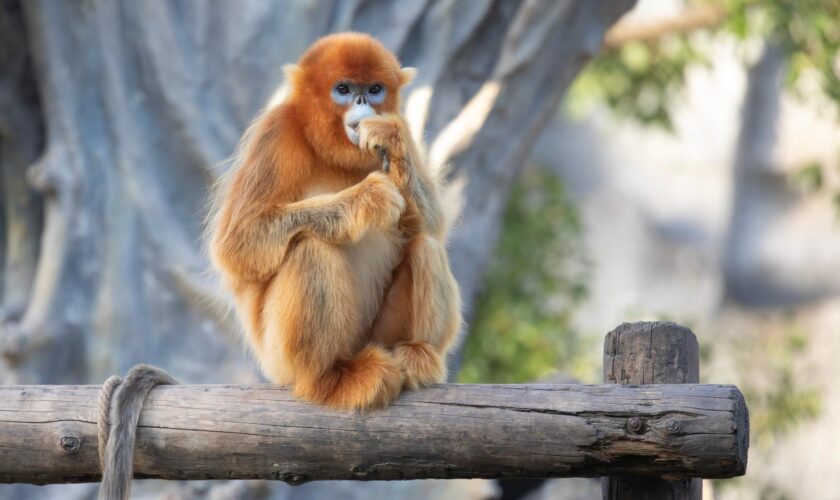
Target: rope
[[105, 394], [120, 403]]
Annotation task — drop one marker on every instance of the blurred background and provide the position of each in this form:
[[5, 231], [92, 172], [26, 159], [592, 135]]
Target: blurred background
[[610, 161]]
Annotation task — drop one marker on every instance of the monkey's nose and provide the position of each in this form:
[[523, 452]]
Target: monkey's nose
[[361, 100]]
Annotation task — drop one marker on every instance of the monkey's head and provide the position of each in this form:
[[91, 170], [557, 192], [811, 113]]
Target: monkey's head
[[339, 81]]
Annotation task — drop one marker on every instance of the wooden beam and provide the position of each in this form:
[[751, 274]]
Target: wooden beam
[[48, 433]]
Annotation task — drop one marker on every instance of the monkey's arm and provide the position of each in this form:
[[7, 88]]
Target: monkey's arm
[[342, 217], [388, 135], [422, 195], [255, 246]]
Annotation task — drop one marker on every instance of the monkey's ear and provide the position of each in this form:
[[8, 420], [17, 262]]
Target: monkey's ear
[[290, 71], [406, 75]]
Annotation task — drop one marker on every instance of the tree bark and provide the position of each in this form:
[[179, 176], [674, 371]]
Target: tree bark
[[140, 103], [450, 431]]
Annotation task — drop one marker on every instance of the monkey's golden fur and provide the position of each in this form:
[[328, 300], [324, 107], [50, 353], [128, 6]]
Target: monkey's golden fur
[[338, 269]]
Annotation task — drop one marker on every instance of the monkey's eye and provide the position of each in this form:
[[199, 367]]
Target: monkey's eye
[[342, 89], [375, 89]]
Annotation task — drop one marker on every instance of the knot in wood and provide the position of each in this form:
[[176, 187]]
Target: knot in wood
[[634, 425], [70, 444], [359, 470], [293, 478], [673, 426]]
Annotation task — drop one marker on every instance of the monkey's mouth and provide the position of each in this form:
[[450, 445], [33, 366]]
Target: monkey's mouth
[[353, 117], [352, 131]]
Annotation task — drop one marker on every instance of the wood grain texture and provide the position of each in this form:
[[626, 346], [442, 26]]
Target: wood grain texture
[[652, 353], [656, 352], [48, 433]]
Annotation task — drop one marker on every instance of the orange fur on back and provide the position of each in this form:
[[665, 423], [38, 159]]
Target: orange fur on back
[[337, 268]]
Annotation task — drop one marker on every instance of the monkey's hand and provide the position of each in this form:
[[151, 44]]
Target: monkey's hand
[[387, 136], [379, 202]]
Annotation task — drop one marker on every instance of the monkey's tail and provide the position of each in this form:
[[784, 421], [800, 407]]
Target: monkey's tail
[[118, 459]]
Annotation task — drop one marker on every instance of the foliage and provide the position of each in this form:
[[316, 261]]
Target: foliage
[[808, 31], [814, 178], [780, 405], [639, 79], [521, 329], [808, 178], [777, 399]]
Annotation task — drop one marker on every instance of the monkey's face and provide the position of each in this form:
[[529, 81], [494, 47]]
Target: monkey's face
[[359, 101], [339, 81]]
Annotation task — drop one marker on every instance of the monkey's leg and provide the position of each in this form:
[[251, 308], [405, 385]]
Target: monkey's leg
[[313, 337], [421, 315]]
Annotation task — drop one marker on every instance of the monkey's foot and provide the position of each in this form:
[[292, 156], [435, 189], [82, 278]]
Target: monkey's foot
[[372, 379], [422, 365]]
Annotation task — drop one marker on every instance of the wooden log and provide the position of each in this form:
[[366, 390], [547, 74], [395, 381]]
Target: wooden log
[[48, 433], [652, 353]]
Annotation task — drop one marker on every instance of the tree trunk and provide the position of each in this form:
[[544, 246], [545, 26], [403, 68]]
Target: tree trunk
[[115, 118], [759, 191], [141, 101]]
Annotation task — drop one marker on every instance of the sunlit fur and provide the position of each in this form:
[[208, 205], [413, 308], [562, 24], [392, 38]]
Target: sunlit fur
[[338, 269]]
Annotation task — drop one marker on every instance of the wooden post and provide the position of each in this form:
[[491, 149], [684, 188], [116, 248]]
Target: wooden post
[[650, 353]]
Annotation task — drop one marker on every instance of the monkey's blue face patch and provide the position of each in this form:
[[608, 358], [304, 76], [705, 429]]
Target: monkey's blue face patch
[[346, 93], [358, 100], [376, 93]]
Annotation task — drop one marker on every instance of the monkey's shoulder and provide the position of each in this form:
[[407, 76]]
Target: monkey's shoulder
[[281, 126], [277, 139]]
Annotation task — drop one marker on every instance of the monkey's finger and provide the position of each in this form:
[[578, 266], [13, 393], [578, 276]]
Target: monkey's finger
[[383, 155], [364, 140]]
